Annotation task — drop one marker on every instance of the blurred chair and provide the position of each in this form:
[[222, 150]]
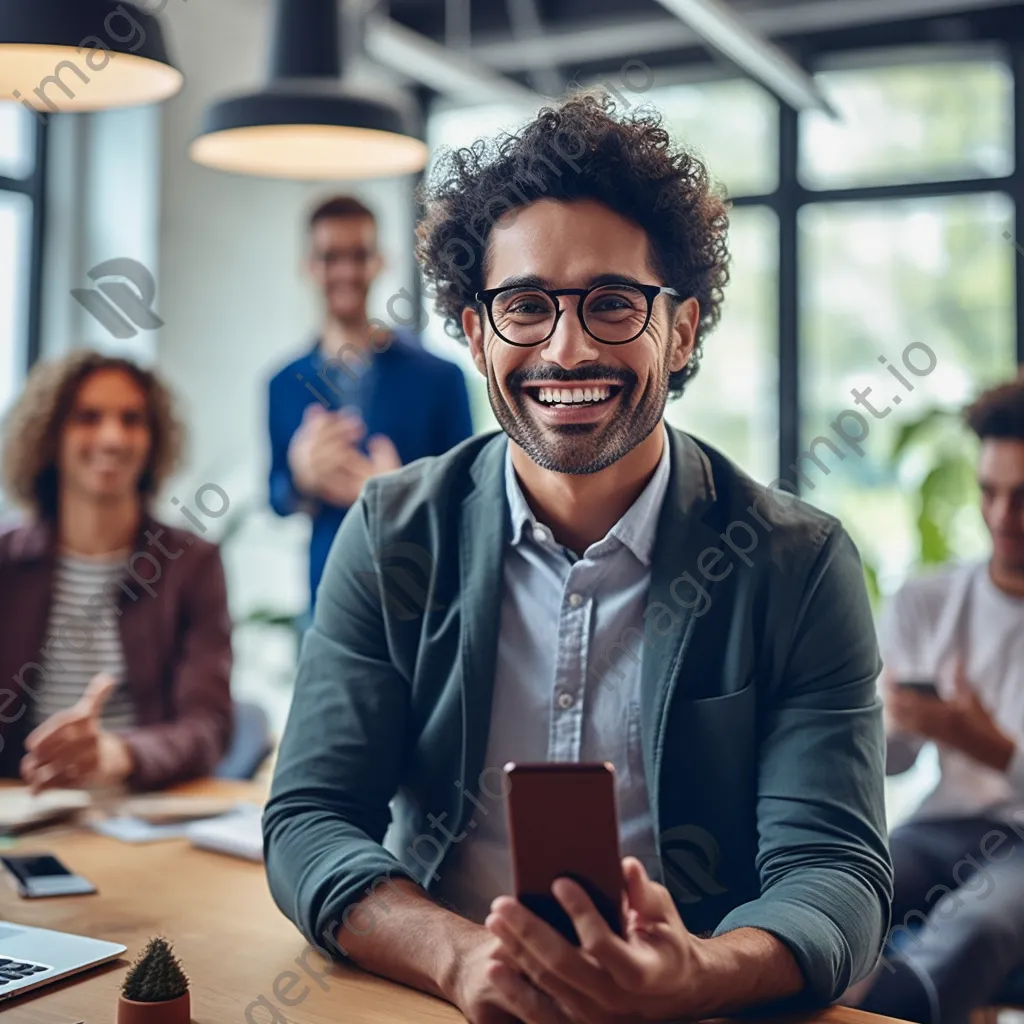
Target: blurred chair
[[251, 743]]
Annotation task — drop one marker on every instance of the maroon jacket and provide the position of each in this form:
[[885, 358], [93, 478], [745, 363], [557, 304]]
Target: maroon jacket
[[176, 635]]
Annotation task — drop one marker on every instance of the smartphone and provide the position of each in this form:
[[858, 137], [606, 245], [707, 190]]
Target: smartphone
[[41, 874], [563, 823], [925, 687]]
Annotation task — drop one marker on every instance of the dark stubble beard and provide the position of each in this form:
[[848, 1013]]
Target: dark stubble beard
[[579, 448]]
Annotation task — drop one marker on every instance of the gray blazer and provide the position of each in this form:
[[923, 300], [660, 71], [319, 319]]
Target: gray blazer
[[761, 726]]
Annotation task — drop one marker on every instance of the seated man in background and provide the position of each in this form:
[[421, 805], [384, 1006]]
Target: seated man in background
[[959, 888], [366, 399], [115, 639], [589, 585]]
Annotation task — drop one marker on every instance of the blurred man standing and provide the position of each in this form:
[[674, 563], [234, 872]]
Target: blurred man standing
[[365, 400], [958, 913]]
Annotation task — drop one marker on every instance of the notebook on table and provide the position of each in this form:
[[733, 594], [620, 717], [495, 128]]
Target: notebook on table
[[21, 810], [147, 819], [238, 834]]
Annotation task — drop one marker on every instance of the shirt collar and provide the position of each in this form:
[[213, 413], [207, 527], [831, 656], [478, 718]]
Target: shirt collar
[[635, 530]]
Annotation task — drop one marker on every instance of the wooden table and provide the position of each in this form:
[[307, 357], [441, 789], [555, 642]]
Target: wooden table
[[238, 950]]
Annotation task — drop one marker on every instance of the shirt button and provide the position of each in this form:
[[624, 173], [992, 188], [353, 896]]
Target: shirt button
[[540, 535], [575, 600], [565, 700]]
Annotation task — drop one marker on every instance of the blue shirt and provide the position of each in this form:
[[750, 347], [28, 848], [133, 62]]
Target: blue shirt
[[414, 397], [564, 688]]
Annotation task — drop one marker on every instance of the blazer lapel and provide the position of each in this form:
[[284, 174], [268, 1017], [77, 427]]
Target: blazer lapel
[[482, 538], [677, 590]]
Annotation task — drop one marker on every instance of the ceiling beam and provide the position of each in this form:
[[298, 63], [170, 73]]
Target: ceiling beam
[[527, 28], [621, 39], [724, 30], [448, 72]]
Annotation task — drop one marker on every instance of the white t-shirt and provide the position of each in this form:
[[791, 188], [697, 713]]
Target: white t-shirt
[[83, 637], [927, 624]]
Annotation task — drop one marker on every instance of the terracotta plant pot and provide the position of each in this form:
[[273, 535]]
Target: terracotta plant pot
[[173, 1011]]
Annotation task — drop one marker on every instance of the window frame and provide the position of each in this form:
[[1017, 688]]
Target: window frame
[[34, 186], [792, 195]]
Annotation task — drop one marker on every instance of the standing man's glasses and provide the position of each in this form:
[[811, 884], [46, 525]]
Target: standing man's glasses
[[360, 257], [613, 314]]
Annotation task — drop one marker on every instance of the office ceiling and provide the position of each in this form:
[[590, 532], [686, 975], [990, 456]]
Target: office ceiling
[[525, 39]]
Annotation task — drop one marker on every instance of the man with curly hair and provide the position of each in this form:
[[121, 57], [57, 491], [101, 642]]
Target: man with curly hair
[[115, 639], [598, 587]]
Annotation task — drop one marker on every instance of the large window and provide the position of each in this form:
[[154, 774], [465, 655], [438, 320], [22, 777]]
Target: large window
[[18, 186], [904, 271], [926, 285], [919, 122]]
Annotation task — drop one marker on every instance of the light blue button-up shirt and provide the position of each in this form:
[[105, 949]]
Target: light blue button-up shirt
[[567, 680]]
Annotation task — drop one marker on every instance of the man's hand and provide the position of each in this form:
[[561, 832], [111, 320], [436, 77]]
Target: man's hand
[[71, 749], [350, 470], [326, 461], [475, 993], [656, 972], [961, 723], [313, 451]]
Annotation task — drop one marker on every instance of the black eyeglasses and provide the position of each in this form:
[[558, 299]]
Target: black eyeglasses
[[614, 314]]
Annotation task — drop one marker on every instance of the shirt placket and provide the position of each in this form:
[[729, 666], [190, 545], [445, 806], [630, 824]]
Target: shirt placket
[[567, 707]]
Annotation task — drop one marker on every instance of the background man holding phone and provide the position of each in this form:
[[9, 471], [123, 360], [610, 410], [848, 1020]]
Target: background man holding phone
[[564, 621], [960, 632]]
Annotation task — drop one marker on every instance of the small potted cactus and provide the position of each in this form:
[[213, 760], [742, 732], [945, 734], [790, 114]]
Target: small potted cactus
[[155, 990]]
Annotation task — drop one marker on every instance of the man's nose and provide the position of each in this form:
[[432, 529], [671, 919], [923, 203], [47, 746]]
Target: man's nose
[[570, 345]]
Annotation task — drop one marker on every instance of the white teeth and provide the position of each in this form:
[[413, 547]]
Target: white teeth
[[573, 396]]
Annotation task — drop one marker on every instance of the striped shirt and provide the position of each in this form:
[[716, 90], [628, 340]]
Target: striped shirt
[[82, 638]]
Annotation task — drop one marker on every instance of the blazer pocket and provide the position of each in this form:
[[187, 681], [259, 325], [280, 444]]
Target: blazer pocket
[[718, 733]]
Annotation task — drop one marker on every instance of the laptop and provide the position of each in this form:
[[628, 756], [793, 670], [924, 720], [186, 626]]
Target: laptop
[[31, 957]]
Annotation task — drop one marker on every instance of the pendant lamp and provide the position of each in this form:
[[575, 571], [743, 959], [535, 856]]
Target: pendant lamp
[[306, 123], [61, 56]]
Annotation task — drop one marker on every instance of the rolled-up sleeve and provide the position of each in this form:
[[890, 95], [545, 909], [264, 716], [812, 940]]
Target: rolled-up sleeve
[[823, 859]]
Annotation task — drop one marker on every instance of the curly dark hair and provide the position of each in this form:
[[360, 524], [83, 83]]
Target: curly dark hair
[[582, 149], [999, 412], [31, 435]]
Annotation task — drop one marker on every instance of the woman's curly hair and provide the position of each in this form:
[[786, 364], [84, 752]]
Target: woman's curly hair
[[31, 437], [582, 149]]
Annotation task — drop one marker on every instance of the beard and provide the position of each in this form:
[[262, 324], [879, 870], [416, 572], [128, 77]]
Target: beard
[[579, 448]]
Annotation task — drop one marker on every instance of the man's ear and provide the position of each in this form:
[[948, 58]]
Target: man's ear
[[684, 334], [473, 329]]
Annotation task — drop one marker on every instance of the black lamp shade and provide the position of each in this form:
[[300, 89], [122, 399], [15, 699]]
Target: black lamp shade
[[293, 130], [78, 55]]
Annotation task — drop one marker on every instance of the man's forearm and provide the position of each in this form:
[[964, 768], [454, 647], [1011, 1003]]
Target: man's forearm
[[989, 746], [413, 941], [743, 968]]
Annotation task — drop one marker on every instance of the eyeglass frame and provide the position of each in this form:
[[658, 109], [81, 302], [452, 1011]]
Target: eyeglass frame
[[486, 297]]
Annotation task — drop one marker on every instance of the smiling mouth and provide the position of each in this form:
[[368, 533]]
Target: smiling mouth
[[572, 397]]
